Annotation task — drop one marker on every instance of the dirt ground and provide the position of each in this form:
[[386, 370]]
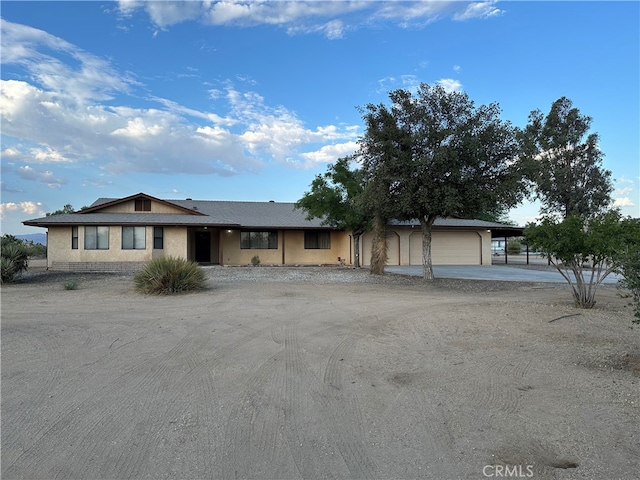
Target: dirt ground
[[282, 373]]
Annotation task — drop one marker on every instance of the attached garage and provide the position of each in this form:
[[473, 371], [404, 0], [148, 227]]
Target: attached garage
[[448, 248], [455, 241]]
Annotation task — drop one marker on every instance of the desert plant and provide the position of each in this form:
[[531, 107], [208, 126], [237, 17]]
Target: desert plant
[[514, 247], [583, 251], [629, 266], [170, 275], [7, 268], [255, 260], [70, 285], [14, 256]]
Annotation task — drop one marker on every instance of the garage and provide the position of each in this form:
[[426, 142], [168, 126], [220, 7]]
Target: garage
[[457, 247]]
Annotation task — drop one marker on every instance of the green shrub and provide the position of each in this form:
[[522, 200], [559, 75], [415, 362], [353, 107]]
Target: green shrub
[[514, 247], [255, 260], [170, 275], [14, 256], [7, 268], [70, 285], [630, 271]]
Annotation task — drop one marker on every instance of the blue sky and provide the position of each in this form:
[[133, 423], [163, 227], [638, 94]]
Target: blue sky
[[250, 100]]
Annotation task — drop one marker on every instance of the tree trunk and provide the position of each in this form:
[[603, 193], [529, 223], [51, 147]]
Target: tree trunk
[[426, 223], [379, 246], [356, 249]]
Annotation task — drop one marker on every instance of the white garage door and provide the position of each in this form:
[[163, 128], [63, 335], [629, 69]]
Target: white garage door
[[447, 248]]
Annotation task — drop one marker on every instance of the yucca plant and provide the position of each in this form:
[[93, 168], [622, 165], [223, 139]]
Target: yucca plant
[[170, 275], [14, 257]]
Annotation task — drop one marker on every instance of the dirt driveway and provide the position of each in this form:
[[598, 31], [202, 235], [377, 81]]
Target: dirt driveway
[[277, 373]]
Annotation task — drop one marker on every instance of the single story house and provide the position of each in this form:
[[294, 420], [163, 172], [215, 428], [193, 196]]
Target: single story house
[[125, 233]]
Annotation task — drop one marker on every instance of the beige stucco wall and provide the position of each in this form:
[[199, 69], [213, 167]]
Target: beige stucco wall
[[290, 250], [175, 242], [449, 247], [59, 246]]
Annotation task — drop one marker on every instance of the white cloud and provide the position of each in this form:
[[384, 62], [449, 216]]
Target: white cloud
[[43, 176], [329, 154], [624, 187], [331, 18], [450, 85], [28, 208], [623, 202], [479, 10], [10, 152], [623, 190], [93, 78], [407, 82], [69, 120]]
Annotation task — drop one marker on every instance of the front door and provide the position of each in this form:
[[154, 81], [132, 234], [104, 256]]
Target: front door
[[203, 247]]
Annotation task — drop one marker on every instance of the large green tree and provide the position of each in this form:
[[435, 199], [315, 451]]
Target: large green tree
[[435, 154], [565, 162], [333, 197]]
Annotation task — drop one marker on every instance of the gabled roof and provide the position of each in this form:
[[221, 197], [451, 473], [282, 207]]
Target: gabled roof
[[107, 202], [198, 213], [231, 214]]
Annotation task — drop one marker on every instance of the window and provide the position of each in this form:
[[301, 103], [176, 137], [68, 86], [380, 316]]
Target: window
[[314, 239], [74, 238], [259, 240], [96, 238], [158, 238], [143, 205], [134, 238]]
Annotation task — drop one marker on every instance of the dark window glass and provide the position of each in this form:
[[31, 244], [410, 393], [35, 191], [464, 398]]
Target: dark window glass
[[158, 238], [143, 205], [314, 239], [267, 240], [74, 238]]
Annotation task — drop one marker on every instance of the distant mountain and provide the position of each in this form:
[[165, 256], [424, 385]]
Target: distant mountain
[[34, 237]]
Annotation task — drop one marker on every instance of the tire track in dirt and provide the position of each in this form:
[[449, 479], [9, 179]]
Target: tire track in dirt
[[251, 432], [101, 416], [340, 428], [296, 405], [197, 379], [497, 389], [428, 418], [152, 384], [19, 433], [343, 409]]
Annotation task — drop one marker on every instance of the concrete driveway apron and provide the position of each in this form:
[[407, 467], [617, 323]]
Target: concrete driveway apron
[[488, 272]]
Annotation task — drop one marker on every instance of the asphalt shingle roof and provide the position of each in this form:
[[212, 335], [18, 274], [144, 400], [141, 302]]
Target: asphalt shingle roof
[[229, 214]]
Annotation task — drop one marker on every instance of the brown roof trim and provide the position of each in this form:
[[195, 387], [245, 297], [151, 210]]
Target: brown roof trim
[[140, 195]]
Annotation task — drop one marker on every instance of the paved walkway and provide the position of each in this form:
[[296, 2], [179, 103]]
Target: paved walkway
[[489, 272]]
